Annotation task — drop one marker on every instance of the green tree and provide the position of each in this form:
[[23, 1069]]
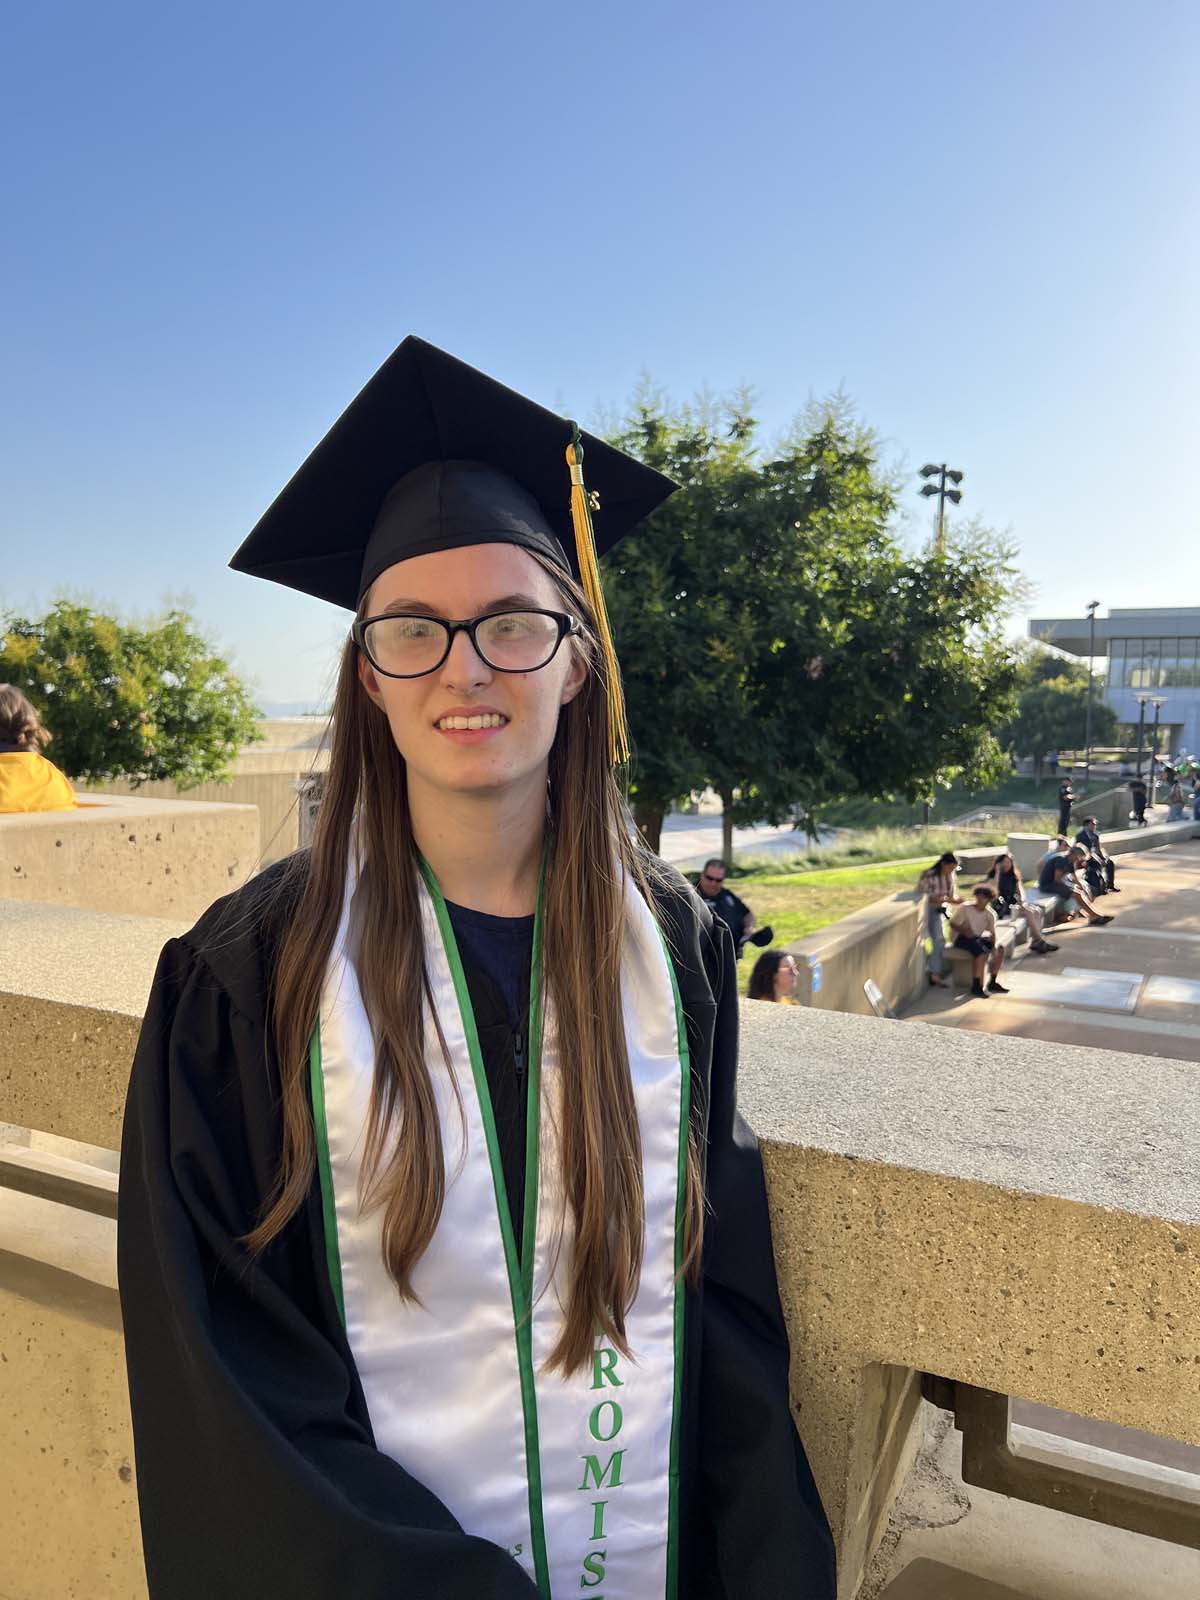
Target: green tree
[[776, 640], [122, 700], [1052, 715]]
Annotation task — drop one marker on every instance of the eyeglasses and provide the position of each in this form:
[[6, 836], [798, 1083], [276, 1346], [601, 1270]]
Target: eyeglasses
[[401, 645], [712, 877]]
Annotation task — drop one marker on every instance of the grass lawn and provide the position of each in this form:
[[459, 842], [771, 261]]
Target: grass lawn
[[798, 903], [952, 802]]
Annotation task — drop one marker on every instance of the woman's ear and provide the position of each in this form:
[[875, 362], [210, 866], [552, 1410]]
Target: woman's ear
[[575, 679], [366, 675]]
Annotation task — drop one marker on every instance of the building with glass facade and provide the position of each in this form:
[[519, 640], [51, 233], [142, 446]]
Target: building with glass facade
[[1152, 652]]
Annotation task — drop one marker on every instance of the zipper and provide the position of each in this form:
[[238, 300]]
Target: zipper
[[519, 1056]]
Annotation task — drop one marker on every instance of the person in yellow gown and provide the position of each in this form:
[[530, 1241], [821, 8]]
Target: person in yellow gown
[[28, 782]]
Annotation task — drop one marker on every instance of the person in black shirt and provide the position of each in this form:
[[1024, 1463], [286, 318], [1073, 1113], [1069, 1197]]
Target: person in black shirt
[[734, 913], [1060, 876], [1139, 795], [1101, 869], [1066, 799]]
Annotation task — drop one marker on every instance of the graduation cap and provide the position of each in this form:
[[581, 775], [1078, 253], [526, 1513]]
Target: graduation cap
[[433, 455]]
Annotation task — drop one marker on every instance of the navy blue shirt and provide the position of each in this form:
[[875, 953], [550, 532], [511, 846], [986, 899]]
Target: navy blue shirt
[[501, 947]]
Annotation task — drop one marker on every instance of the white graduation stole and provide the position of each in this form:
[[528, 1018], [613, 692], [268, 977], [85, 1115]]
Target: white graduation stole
[[576, 1478]]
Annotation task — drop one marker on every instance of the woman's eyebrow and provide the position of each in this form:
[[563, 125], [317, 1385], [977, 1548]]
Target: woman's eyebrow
[[505, 602]]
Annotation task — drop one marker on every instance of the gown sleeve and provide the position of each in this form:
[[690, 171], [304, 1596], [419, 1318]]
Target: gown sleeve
[[769, 1535], [258, 1476]]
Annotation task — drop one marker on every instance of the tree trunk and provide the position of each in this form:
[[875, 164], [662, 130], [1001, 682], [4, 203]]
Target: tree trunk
[[649, 820], [726, 827]]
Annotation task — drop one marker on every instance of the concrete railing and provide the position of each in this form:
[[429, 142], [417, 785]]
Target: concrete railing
[[166, 858], [883, 941], [1004, 1212]]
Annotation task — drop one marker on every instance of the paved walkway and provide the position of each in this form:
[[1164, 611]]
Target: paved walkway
[[1134, 985]]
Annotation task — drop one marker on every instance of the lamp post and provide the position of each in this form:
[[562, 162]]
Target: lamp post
[[1158, 703], [1087, 754], [1141, 700], [939, 488]]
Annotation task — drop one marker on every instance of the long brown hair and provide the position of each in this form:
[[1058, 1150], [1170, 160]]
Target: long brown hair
[[589, 853]]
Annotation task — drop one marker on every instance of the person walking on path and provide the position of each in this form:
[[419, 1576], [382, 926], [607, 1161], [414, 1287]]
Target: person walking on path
[[1139, 795], [939, 885], [28, 782], [1066, 799]]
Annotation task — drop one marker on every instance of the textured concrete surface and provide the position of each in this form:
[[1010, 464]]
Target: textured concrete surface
[[66, 1463], [158, 858], [1102, 1128], [1012, 1214], [883, 941], [962, 1539], [102, 959]]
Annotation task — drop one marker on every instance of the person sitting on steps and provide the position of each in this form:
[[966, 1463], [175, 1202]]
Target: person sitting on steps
[[975, 928], [1008, 899]]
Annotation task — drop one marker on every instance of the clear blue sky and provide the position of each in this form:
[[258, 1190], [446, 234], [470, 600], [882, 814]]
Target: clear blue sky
[[981, 220]]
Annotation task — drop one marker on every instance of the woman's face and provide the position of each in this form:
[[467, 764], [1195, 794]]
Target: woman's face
[[455, 585], [785, 977], [1005, 864]]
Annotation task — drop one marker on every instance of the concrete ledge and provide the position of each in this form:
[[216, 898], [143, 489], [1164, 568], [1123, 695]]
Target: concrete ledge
[[159, 858], [1010, 1213], [1027, 849], [884, 941], [73, 988]]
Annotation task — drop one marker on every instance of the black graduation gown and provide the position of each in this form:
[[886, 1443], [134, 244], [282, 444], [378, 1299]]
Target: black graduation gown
[[258, 1477]]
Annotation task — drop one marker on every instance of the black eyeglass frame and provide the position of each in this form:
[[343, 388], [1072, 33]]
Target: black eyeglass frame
[[567, 625]]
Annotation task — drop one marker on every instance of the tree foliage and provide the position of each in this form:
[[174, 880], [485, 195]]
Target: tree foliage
[[1052, 715], [122, 700], [776, 640]]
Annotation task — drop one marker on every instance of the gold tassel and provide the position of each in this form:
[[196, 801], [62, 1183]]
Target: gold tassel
[[589, 577]]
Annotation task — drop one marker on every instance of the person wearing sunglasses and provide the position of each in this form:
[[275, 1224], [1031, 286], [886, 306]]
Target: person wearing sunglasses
[[444, 1256], [734, 913]]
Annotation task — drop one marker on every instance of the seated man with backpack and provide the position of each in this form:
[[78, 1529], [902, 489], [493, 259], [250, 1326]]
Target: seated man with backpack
[[1061, 877], [1100, 869]]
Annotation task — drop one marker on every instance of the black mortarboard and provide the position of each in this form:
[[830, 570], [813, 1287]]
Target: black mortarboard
[[433, 455]]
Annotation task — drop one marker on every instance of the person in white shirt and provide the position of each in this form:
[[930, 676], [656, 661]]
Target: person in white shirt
[[975, 930]]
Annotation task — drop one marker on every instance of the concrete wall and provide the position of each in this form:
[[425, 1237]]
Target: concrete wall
[[159, 858], [267, 781], [1029, 848], [938, 1205], [883, 941]]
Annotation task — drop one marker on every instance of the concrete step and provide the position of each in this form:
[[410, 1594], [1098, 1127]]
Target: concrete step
[[933, 1580]]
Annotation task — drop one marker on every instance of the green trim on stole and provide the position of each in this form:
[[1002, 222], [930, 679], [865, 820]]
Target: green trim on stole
[[328, 1206], [685, 1101], [520, 1268]]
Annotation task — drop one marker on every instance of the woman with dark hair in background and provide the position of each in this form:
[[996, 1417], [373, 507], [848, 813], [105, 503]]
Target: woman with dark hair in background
[[28, 782], [1008, 896], [939, 885], [774, 978]]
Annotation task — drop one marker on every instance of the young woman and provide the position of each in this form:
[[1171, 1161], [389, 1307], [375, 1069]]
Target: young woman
[[445, 1259], [1008, 896], [28, 782], [939, 885], [774, 978]]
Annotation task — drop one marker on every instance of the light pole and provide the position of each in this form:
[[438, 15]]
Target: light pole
[[939, 488], [1141, 700], [1158, 703], [1087, 754]]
